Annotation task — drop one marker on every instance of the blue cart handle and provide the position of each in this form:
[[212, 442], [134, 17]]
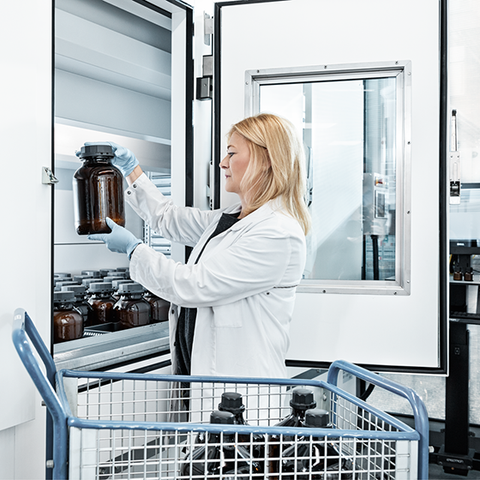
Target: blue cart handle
[[419, 411], [24, 334]]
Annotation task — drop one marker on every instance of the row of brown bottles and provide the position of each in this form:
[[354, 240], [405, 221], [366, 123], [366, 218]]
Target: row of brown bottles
[[88, 301]]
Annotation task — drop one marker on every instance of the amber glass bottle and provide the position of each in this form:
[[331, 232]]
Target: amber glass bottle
[[80, 301], [67, 321], [98, 191], [132, 310], [159, 307], [101, 302]]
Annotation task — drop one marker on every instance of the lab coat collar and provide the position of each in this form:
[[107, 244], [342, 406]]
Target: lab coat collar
[[258, 215]]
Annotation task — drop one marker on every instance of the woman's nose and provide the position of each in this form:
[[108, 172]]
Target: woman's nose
[[224, 162]]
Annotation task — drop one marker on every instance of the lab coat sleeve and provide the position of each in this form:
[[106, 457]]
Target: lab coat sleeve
[[254, 263], [184, 225]]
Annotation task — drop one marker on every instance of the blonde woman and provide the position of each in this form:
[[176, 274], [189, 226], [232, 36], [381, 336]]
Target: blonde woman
[[232, 302]]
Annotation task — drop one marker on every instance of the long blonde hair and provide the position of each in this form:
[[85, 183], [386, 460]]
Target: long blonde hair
[[276, 167]]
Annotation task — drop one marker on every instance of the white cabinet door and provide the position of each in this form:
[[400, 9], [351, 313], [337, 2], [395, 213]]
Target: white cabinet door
[[25, 203], [387, 324]]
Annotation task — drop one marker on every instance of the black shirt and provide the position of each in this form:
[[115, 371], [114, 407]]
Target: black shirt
[[187, 317]]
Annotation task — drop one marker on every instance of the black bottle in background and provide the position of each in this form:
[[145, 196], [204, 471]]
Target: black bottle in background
[[305, 458], [302, 400], [220, 457]]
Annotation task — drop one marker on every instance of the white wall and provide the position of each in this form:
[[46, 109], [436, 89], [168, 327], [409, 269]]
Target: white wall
[[25, 211]]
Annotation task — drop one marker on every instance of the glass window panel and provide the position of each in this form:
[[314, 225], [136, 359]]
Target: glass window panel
[[348, 129]]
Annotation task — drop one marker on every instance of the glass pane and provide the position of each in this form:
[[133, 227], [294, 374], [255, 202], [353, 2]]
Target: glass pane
[[348, 130]]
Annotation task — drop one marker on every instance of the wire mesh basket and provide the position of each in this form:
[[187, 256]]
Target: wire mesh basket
[[146, 426]]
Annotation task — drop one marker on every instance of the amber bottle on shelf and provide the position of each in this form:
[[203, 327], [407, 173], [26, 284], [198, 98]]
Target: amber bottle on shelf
[[67, 320], [132, 310]]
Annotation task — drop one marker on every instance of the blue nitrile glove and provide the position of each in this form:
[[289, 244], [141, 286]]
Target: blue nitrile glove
[[120, 240], [124, 159]]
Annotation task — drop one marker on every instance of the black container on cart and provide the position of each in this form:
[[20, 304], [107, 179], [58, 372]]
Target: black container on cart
[[131, 310], [230, 402], [309, 460], [98, 191], [302, 400], [220, 456], [159, 307], [102, 303], [67, 320], [80, 301]]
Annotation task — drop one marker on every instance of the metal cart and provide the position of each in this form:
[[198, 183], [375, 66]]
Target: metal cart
[[140, 426]]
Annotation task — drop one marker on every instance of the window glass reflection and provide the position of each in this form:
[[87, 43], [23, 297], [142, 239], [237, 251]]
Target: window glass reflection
[[348, 131]]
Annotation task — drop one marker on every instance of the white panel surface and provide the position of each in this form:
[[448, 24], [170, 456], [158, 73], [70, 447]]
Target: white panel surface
[[25, 212], [369, 329]]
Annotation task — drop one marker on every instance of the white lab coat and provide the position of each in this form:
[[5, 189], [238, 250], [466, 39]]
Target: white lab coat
[[243, 285]]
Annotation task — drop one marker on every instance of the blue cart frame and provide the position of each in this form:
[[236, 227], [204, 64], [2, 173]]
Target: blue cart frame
[[25, 335]]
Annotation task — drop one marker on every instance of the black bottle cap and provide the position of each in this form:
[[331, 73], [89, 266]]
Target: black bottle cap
[[88, 151], [62, 275], [65, 281], [80, 278], [111, 278], [224, 418], [100, 287], [316, 418], [231, 402], [91, 273], [130, 288], [302, 399], [116, 283], [63, 297], [78, 290]]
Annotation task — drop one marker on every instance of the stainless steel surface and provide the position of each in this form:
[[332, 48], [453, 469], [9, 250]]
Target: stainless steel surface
[[105, 350]]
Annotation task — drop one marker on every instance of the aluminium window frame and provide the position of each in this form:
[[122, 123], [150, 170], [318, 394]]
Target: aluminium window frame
[[402, 72]]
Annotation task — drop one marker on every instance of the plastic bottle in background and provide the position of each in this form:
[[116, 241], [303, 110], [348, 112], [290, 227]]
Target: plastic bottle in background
[[307, 456], [302, 400], [67, 321], [98, 191], [158, 307], [101, 301], [132, 310], [220, 457], [80, 301]]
